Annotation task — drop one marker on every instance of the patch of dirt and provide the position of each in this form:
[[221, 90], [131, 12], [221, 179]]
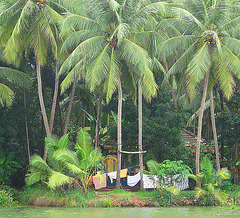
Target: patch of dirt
[[120, 201]]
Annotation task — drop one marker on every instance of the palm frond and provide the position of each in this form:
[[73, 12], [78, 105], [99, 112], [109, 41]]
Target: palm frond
[[84, 143], [197, 68], [6, 95], [38, 162], [182, 62], [139, 58], [153, 167], [66, 156], [113, 76], [225, 68], [174, 45], [86, 49], [35, 177], [186, 15], [57, 179], [199, 192], [15, 76], [99, 68]]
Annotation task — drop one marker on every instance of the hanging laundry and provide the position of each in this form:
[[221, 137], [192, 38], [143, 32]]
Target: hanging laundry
[[112, 176], [90, 179], [150, 181], [100, 181], [133, 180], [123, 173]]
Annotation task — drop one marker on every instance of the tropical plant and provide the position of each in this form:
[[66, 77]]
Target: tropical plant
[[210, 180], [66, 166], [208, 51], [11, 75], [104, 50], [168, 169], [7, 167], [30, 26]]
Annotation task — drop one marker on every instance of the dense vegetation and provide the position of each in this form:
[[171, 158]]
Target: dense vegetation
[[66, 65]]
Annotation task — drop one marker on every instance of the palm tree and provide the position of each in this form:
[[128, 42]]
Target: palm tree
[[66, 166], [104, 49], [31, 26], [207, 51]]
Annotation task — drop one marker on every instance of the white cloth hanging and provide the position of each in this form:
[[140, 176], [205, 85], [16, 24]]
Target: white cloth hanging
[[150, 181], [112, 176], [133, 180]]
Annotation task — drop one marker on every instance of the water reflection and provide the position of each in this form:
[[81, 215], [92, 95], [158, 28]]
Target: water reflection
[[190, 212]]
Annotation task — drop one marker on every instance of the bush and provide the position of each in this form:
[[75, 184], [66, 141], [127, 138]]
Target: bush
[[6, 197], [227, 185]]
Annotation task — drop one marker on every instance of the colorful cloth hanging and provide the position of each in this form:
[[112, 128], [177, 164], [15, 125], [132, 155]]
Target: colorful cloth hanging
[[123, 173], [100, 181]]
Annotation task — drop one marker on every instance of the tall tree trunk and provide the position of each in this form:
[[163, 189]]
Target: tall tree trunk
[[70, 106], [214, 130], [41, 101], [54, 97], [26, 126], [235, 175], [99, 110], [60, 115], [140, 146], [199, 135], [119, 133]]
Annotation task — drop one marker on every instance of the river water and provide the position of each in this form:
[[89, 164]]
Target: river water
[[157, 212]]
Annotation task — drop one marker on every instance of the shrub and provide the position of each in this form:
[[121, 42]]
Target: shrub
[[6, 197]]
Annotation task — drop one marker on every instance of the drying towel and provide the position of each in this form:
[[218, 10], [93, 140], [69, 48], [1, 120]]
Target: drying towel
[[112, 176], [133, 180], [150, 181], [100, 181], [123, 173]]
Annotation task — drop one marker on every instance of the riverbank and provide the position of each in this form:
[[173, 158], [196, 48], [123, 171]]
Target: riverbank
[[36, 196], [44, 197]]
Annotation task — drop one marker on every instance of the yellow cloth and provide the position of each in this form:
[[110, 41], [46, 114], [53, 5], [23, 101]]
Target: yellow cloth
[[123, 173]]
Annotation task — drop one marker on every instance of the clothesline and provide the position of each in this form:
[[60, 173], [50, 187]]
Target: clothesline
[[133, 152]]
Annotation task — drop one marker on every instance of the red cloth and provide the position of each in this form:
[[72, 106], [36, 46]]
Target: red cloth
[[100, 181], [90, 179]]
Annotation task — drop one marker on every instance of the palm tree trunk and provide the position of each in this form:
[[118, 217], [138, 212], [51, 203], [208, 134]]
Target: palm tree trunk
[[26, 126], [199, 135], [214, 130], [54, 103], [140, 146], [99, 110], [70, 106], [119, 133], [43, 110]]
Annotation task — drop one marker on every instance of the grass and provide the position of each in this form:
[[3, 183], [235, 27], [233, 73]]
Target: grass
[[60, 197]]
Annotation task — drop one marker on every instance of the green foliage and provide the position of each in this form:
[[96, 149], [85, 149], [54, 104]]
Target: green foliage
[[66, 166], [210, 181], [227, 185], [7, 167], [168, 169], [35, 195], [103, 202], [6, 197]]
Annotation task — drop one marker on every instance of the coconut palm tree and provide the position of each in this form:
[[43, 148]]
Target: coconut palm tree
[[101, 38], [30, 26], [208, 53]]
